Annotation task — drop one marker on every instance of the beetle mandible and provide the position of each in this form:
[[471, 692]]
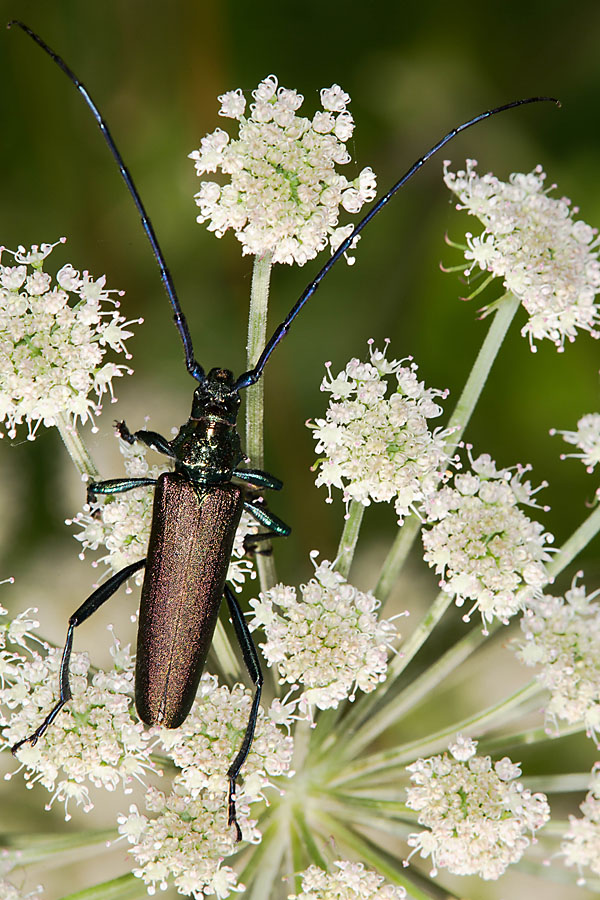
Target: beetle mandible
[[197, 506]]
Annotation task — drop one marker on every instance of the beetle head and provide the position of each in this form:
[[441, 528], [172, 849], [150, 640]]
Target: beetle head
[[216, 396]]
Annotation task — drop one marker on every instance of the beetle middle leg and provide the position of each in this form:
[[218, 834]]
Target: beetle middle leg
[[89, 606], [257, 478], [276, 526], [116, 486], [253, 665]]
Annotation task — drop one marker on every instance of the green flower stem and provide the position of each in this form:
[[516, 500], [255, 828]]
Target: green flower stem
[[360, 712], [228, 659], [255, 400], [565, 783], [249, 858], [376, 807], [302, 733], [296, 860], [378, 820], [125, 887], [267, 873], [420, 634], [506, 307], [31, 849], [308, 839], [257, 336], [349, 538], [76, 449], [578, 540], [396, 557], [422, 686], [528, 738], [492, 717]]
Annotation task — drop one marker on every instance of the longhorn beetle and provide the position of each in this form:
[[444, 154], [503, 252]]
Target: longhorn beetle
[[197, 506]]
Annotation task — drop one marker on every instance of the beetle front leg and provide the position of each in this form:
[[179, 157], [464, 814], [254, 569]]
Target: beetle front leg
[[151, 439], [253, 665], [89, 606]]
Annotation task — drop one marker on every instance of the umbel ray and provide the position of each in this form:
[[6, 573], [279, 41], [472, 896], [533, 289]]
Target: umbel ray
[[198, 505]]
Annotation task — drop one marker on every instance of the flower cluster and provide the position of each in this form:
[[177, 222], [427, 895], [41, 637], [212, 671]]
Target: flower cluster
[[486, 549], [94, 740], [121, 523], [284, 194], [563, 636], [378, 448], [53, 339], [189, 836], [9, 891], [581, 844], [586, 438], [330, 642], [530, 240], [351, 881], [477, 813]]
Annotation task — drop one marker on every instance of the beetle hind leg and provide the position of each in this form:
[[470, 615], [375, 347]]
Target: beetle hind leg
[[253, 665], [89, 606]]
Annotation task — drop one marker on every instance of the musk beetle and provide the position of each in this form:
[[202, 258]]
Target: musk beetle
[[197, 506]]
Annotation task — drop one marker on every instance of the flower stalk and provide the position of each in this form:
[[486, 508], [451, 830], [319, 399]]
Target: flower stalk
[[255, 394]]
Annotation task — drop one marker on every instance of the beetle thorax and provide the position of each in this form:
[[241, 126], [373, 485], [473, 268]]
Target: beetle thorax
[[207, 448]]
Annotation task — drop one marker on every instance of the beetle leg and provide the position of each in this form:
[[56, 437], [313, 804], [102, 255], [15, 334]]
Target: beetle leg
[[151, 439], [116, 486], [276, 527], [93, 602], [253, 665], [258, 478]]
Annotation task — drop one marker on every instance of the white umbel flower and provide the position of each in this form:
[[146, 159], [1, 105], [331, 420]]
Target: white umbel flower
[[120, 523], [94, 740], [378, 448], [531, 241], [562, 635], [587, 440], [485, 548], [477, 812], [330, 641], [188, 836], [581, 844], [53, 340], [284, 193], [348, 881]]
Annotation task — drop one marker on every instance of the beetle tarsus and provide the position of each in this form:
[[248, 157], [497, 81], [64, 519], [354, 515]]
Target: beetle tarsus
[[124, 432], [232, 816], [32, 739]]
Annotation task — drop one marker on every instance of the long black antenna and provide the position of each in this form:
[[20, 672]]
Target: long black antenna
[[193, 367], [252, 376]]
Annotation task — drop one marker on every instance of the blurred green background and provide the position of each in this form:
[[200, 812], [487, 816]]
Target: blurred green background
[[413, 72]]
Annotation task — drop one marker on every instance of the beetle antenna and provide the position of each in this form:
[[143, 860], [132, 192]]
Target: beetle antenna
[[193, 367], [252, 376]]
